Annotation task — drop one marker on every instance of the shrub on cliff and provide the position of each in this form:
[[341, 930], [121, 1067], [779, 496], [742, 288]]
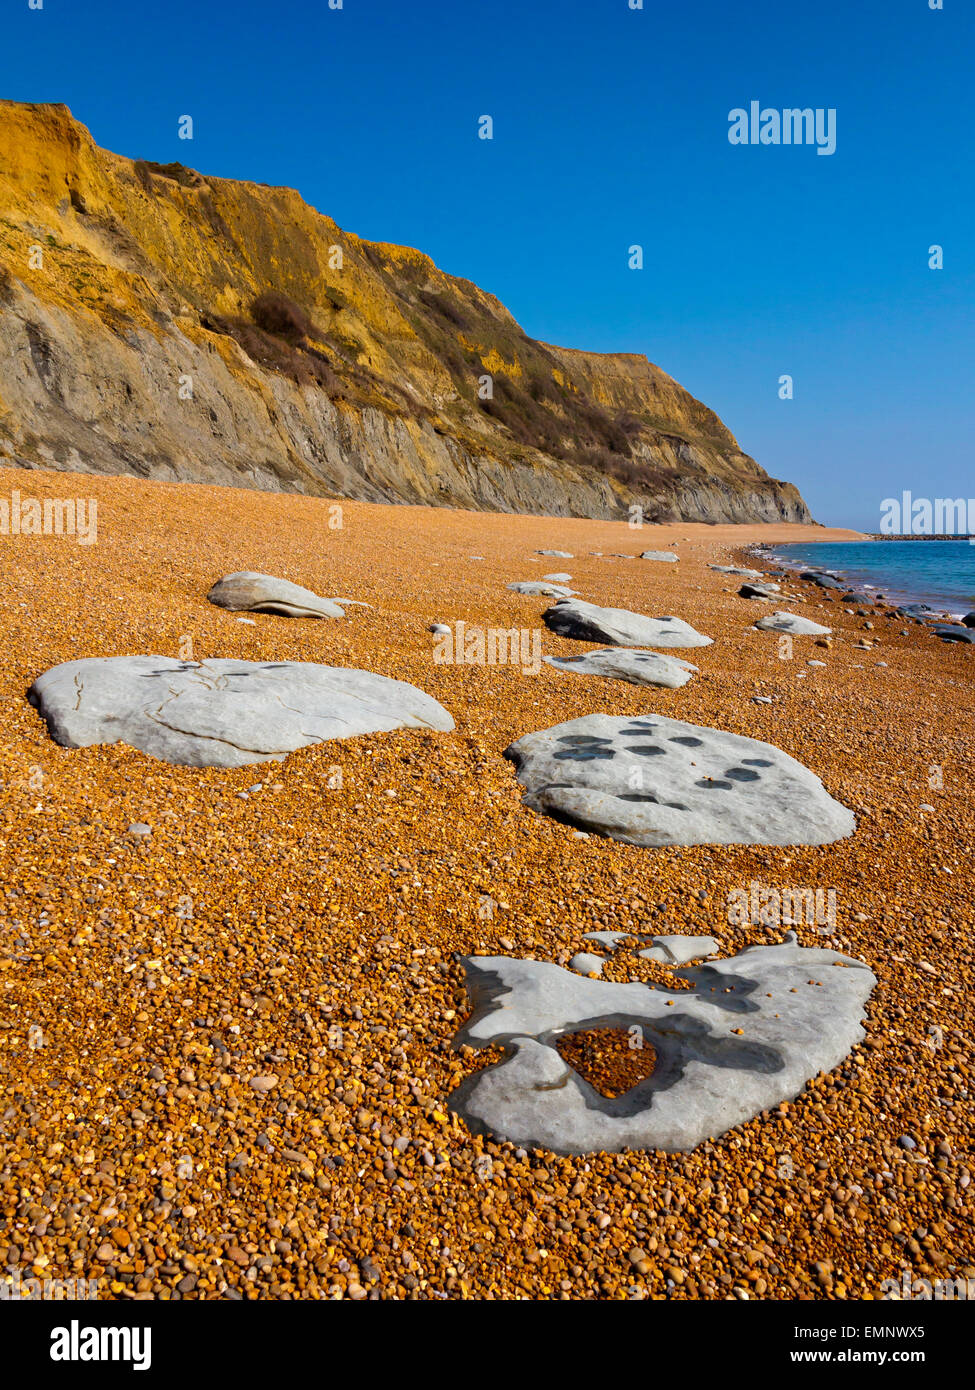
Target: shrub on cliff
[[275, 313]]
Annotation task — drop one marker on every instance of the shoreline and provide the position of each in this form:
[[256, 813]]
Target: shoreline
[[303, 929], [947, 607]]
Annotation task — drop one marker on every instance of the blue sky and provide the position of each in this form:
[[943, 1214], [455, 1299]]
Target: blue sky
[[610, 129]]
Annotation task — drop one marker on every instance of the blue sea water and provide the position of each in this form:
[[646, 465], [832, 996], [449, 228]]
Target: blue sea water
[[939, 573]]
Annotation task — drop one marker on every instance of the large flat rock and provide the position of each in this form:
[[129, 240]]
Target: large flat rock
[[666, 555], [222, 713], [247, 591], [749, 1034], [587, 622], [652, 781], [627, 664], [793, 623]]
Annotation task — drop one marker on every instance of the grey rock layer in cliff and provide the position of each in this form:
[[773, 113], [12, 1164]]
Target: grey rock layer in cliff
[[653, 781], [750, 1032], [78, 394], [222, 713]]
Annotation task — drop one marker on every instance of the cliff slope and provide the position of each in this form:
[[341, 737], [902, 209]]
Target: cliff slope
[[156, 322]]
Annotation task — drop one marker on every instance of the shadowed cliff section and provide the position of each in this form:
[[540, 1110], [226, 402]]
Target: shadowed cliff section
[[200, 329]]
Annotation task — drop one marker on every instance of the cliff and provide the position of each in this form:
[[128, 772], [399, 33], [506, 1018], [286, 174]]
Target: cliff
[[159, 323]]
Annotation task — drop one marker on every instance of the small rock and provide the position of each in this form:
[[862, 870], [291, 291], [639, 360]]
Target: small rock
[[264, 1083]]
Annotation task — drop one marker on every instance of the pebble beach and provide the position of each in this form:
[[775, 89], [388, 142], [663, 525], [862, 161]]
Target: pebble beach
[[230, 996]]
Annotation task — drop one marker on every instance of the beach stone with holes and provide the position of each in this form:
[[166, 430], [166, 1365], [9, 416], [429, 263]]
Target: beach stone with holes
[[222, 713], [792, 623], [587, 622], [263, 593], [748, 1034], [627, 664], [653, 781]]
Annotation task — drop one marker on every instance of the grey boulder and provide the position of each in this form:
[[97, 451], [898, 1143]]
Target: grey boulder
[[652, 781], [793, 623], [587, 622], [750, 1032], [950, 632], [628, 664], [766, 591], [587, 964], [667, 555], [222, 713], [735, 569], [824, 581], [249, 592], [534, 586]]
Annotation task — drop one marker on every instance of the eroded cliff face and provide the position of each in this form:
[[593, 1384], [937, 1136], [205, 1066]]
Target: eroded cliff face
[[156, 322]]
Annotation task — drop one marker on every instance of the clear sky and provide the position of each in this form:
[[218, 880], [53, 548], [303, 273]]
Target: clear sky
[[610, 130]]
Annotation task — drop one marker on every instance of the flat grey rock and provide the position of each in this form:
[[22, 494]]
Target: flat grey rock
[[534, 586], [793, 623], [627, 664], [607, 938], [560, 577], [263, 593], [667, 555], [735, 569], [765, 591], [559, 554], [587, 622], [587, 964], [678, 950], [749, 1034], [222, 713], [652, 781]]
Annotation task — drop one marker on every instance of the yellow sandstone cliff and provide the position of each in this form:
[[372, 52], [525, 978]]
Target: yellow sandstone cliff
[[157, 322]]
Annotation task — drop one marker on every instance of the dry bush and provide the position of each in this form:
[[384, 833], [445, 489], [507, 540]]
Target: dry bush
[[275, 313]]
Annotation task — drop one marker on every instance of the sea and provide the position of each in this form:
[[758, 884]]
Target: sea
[[938, 573]]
